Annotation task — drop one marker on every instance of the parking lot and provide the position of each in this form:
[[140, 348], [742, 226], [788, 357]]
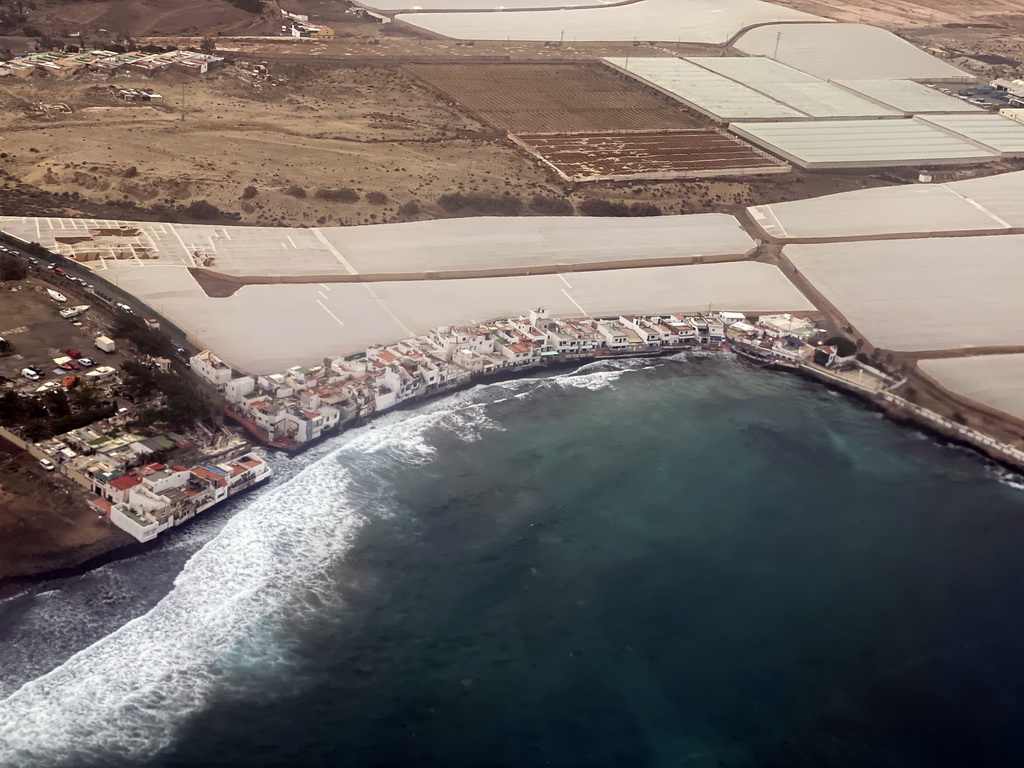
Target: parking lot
[[30, 320]]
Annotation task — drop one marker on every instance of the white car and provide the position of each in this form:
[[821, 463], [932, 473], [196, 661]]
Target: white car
[[31, 375], [47, 465], [86, 362]]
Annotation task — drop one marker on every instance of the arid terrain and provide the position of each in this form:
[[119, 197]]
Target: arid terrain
[[323, 145]]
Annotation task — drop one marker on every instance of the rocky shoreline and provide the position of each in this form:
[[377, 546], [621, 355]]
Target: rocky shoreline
[[120, 545]]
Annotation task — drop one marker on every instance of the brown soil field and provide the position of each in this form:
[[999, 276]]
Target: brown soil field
[[527, 98], [323, 127], [690, 153]]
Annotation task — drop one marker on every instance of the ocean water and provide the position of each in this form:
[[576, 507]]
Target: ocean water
[[680, 562]]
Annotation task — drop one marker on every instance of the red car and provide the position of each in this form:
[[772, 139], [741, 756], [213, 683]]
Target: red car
[[73, 353], [58, 271]]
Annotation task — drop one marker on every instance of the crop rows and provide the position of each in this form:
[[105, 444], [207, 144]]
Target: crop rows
[[537, 98]]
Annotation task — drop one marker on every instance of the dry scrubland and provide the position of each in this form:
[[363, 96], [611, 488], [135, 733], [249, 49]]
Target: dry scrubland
[[362, 130]]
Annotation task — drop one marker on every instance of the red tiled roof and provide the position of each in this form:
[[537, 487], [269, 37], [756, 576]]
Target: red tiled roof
[[101, 504], [124, 482]]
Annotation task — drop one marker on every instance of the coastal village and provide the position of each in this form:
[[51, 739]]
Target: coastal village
[[145, 482], [291, 409]]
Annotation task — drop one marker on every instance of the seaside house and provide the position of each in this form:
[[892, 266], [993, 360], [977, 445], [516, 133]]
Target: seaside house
[[211, 368]]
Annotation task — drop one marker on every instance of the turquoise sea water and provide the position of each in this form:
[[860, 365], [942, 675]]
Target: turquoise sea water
[[653, 563]]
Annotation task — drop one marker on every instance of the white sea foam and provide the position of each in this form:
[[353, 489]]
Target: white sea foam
[[1008, 477], [125, 696]]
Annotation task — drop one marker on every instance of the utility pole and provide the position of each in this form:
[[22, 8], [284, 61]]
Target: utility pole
[[778, 37], [183, 102]]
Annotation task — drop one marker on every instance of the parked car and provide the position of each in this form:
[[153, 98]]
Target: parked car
[[51, 267], [37, 369], [73, 353], [86, 362], [47, 465], [57, 270], [31, 375]]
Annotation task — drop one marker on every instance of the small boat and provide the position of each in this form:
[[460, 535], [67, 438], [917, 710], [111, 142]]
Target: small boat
[[70, 312], [56, 296]]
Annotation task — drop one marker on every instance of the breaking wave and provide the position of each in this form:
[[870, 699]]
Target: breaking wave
[[220, 630]]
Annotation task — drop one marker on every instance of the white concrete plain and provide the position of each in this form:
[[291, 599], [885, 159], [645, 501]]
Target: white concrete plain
[[497, 242], [846, 52], [1002, 195], [264, 328], [705, 91], [993, 380], [913, 209], [803, 92], [694, 21], [477, 243], [928, 294], [909, 97], [824, 144], [1002, 134]]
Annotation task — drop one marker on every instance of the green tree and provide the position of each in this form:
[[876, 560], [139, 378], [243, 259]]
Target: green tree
[[12, 268]]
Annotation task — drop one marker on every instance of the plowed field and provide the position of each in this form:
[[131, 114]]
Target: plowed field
[[551, 97], [666, 154]]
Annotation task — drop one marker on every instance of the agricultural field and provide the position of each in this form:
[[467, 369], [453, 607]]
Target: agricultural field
[[551, 98], [692, 153]]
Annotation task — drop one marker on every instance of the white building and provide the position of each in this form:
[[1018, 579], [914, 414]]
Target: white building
[[211, 368]]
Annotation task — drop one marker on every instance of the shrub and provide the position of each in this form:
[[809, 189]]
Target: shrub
[[296, 191], [551, 206], [845, 347], [376, 198], [644, 209], [201, 209], [495, 205], [410, 208], [594, 207], [12, 268], [342, 195], [249, 193]]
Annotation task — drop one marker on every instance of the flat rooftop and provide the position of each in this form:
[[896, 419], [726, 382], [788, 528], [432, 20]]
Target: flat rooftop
[[692, 21], [839, 144], [266, 328], [996, 381], [912, 209], [846, 52], [1002, 195], [929, 294], [987, 205], [445, 245], [1003, 134], [909, 97], [805, 93], [704, 91]]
